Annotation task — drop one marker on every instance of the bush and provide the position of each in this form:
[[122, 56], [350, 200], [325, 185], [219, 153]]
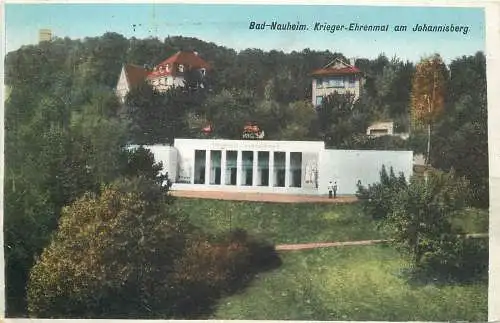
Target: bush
[[421, 224], [110, 256], [129, 252], [457, 258], [377, 198], [209, 270]]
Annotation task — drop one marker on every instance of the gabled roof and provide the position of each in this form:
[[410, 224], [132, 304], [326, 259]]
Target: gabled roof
[[135, 74], [186, 58], [337, 67], [190, 60]]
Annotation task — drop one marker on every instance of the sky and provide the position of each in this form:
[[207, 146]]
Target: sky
[[228, 25]]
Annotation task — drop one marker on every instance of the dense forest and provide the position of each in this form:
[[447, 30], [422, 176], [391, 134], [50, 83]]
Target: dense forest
[[65, 129]]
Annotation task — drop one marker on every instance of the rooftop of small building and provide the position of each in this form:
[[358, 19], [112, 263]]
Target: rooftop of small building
[[337, 67]]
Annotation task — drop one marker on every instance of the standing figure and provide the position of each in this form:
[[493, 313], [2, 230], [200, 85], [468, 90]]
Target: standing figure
[[330, 189], [335, 190]]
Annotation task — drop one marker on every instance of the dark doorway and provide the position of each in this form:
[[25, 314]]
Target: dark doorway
[[202, 175], [233, 176], [249, 178], [217, 175], [281, 178], [264, 177], [297, 178]]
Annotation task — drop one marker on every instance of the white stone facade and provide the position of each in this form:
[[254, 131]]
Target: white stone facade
[[293, 167]]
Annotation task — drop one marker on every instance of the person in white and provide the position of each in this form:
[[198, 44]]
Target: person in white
[[330, 190]]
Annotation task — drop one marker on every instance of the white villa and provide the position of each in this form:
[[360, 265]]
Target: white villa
[[337, 76], [289, 167], [167, 74]]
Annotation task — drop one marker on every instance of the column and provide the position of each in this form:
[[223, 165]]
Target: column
[[255, 173], [208, 169], [287, 169], [193, 166], [271, 168], [223, 162], [239, 165]]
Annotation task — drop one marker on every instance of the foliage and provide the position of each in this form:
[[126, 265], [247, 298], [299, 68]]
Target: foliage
[[228, 111], [340, 117], [129, 253], [157, 117], [121, 242], [377, 199], [141, 163], [209, 270], [421, 224], [461, 138], [428, 94]]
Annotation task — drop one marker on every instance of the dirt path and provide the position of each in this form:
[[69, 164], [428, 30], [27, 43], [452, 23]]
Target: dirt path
[[307, 246], [262, 197], [315, 245]]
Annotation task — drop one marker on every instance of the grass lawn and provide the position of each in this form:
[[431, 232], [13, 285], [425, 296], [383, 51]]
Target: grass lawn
[[350, 283], [340, 283], [283, 223]]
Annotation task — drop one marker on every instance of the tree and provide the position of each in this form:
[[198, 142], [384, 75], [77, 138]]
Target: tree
[[339, 118], [229, 111], [109, 255], [420, 221], [461, 137], [427, 96], [157, 117], [300, 118]]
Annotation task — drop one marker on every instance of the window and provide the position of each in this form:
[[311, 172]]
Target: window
[[199, 166], [247, 168], [336, 82], [262, 168], [279, 172], [295, 171], [231, 167], [319, 100], [319, 83], [181, 68], [215, 167], [379, 132], [167, 67]]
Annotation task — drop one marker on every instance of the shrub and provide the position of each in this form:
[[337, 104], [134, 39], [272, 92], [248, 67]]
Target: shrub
[[421, 224], [110, 256], [129, 252], [377, 198], [458, 258], [209, 270]]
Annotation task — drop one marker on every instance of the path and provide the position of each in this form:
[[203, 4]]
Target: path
[[307, 246], [262, 197], [315, 245]]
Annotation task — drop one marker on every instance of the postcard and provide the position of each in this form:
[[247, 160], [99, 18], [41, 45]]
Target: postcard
[[246, 161]]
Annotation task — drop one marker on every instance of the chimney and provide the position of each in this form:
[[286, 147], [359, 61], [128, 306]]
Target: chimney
[[352, 61], [195, 52]]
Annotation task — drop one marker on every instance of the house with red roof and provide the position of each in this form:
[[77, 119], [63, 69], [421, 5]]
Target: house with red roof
[[130, 76], [170, 73], [337, 76]]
